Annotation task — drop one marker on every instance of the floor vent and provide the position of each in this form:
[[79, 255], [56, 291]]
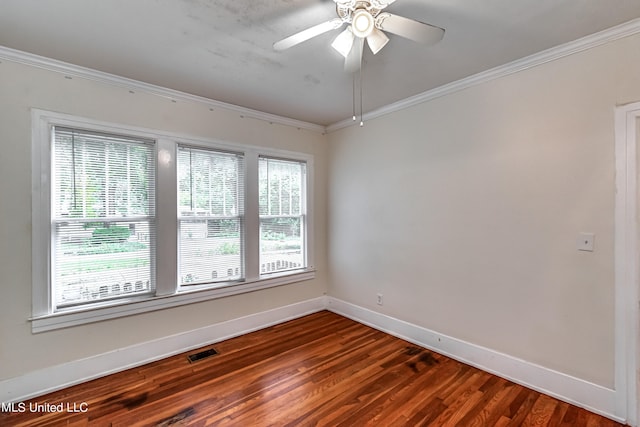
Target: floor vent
[[201, 355]]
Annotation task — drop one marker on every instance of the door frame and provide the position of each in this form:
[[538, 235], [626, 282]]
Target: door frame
[[627, 261]]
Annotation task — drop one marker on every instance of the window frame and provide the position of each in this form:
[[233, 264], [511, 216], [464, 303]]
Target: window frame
[[57, 219], [168, 292], [302, 215], [240, 216]]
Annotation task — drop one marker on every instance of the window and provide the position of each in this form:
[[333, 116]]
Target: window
[[128, 220], [282, 215], [103, 225], [211, 223]]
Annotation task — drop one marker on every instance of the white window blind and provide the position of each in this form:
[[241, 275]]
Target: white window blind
[[211, 216], [103, 217], [282, 210]]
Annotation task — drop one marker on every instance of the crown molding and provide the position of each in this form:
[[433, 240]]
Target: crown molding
[[585, 43], [72, 70]]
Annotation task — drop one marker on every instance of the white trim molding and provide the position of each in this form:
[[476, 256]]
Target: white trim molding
[[72, 70], [627, 294], [54, 378], [593, 397], [585, 43]]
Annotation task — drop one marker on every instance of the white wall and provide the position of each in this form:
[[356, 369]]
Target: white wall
[[24, 87], [464, 211]]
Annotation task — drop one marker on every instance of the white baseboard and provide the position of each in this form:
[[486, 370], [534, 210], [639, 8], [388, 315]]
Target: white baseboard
[[54, 378], [592, 397]]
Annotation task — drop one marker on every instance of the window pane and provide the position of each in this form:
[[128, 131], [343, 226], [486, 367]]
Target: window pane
[[103, 224], [101, 260], [282, 215], [211, 202], [281, 244]]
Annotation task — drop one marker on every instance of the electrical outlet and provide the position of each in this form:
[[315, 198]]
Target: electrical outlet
[[379, 300]]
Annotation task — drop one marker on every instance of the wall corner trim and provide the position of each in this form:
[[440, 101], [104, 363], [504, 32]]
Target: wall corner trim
[[593, 397]]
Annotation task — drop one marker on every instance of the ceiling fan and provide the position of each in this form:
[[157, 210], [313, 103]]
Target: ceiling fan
[[366, 21]]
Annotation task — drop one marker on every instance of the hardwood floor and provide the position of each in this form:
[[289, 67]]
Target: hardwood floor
[[322, 369]]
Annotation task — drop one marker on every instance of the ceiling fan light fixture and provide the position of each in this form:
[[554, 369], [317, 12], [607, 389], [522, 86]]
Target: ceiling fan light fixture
[[362, 24], [377, 40], [344, 42]]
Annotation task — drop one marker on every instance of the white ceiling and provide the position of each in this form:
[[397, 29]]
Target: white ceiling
[[222, 49]]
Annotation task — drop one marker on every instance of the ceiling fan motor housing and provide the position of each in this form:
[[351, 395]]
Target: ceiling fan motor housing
[[362, 23], [350, 9]]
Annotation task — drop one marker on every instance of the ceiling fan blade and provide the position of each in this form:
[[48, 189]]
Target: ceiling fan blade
[[354, 60], [408, 28], [344, 42], [377, 40], [307, 34]]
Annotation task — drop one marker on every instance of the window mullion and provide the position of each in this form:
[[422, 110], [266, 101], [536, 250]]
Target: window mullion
[[167, 219], [252, 220]]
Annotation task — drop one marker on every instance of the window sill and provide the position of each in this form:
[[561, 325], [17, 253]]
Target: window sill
[[196, 294]]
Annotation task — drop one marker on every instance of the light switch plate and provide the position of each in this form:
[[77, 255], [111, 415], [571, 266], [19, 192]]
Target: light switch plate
[[585, 242]]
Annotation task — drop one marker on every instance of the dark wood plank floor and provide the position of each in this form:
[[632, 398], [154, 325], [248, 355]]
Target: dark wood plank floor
[[322, 369]]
